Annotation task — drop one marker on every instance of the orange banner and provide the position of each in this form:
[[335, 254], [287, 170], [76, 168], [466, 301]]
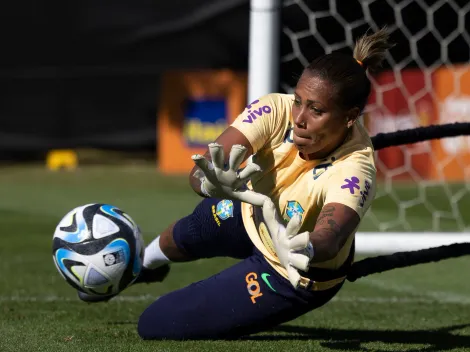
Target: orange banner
[[452, 155], [195, 108]]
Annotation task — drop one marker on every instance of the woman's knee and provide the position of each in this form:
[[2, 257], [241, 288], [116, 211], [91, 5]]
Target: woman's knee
[[176, 239], [170, 248], [150, 326], [155, 322], [172, 317]]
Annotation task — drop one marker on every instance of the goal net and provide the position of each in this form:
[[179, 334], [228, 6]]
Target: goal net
[[422, 188]]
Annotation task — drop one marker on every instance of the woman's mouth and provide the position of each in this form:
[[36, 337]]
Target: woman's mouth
[[305, 143], [303, 140]]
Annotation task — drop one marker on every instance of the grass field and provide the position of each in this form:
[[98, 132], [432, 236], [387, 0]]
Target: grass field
[[424, 308]]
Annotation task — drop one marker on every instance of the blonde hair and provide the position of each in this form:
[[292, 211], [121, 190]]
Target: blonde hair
[[370, 49]]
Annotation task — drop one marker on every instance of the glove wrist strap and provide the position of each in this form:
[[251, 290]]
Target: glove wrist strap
[[203, 190]]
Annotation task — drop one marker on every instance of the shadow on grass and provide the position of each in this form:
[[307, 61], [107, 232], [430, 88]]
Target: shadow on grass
[[128, 322], [353, 339], [439, 340]]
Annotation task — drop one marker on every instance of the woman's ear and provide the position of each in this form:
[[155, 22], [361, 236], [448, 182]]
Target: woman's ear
[[351, 116]]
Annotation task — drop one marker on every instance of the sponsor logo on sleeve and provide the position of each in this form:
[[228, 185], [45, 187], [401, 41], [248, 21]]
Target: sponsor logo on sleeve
[[351, 184], [254, 112], [365, 193]]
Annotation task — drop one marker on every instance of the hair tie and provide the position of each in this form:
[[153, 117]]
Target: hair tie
[[360, 63]]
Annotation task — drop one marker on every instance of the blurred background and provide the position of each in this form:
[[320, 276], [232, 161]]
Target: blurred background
[[150, 82], [90, 74], [105, 101]]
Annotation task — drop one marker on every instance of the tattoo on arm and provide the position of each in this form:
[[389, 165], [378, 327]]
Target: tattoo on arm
[[327, 222], [326, 212], [334, 225]]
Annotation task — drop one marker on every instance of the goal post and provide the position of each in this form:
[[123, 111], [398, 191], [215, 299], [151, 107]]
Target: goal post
[[264, 54], [423, 196]]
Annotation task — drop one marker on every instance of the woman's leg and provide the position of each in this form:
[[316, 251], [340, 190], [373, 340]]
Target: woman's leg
[[214, 229], [246, 298]]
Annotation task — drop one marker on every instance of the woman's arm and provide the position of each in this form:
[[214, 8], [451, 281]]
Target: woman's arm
[[227, 139], [335, 224]]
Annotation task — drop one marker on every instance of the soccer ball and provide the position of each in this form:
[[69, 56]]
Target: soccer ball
[[98, 249]]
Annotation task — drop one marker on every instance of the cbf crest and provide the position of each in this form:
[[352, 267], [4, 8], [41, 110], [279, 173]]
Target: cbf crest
[[224, 209], [293, 207]]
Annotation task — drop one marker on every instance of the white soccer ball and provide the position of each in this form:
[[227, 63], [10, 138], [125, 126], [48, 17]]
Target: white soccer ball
[[98, 249]]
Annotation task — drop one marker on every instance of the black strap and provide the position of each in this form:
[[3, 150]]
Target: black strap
[[383, 263], [419, 134]]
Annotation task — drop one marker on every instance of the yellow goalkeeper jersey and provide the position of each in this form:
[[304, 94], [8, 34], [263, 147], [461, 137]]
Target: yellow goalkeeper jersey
[[347, 176]]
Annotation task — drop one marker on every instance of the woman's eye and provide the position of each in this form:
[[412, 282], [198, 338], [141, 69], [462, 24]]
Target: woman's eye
[[316, 111]]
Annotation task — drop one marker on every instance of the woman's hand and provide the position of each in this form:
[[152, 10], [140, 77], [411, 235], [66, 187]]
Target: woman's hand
[[227, 181], [293, 249]]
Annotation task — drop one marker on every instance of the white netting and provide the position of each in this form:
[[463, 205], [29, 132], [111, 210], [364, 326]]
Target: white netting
[[423, 186]]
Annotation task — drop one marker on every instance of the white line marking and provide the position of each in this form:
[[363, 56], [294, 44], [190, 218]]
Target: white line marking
[[429, 299], [45, 299], [433, 296], [382, 300]]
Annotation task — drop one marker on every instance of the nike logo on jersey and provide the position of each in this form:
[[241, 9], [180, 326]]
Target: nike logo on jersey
[[320, 169], [265, 276]]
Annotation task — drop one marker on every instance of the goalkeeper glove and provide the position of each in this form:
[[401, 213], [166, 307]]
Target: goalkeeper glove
[[293, 249], [219, 181]]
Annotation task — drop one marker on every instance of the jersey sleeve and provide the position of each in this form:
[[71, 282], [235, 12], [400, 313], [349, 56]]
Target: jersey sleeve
[[353, 185], [261, 121]]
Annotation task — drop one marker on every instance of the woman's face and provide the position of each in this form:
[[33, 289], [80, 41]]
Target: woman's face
[[320, 125]]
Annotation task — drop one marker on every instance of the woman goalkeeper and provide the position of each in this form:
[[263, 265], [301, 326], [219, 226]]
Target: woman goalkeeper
[[313, 169]]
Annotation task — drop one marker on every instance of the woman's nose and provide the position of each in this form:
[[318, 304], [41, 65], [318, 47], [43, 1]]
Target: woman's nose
[[299, 120]]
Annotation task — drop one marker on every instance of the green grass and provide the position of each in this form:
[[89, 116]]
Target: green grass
[[423, 308]]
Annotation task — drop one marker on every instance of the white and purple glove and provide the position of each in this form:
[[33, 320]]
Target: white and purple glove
[[219, 181], [293, 249]]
